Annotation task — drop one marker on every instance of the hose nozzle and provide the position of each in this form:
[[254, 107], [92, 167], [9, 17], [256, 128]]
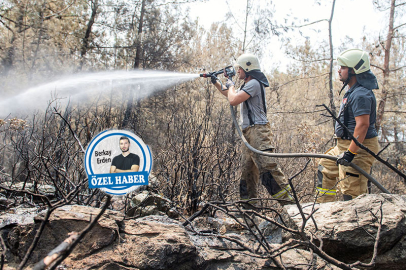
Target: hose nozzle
[[228, 71]]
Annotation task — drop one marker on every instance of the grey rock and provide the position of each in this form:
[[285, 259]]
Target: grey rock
[[272, 232], [147, 203], [159, 242], [348, 229], [43, 189], [139, 198], [18, 216]]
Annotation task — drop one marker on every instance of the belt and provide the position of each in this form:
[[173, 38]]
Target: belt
[[335, 137]]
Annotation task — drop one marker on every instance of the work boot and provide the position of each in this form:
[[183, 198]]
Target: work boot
[[347, 197]]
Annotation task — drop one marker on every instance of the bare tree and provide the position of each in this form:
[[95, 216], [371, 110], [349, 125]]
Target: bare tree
[[86, 39], [331, 93], [15, 26], [137, 60], [386, 70]]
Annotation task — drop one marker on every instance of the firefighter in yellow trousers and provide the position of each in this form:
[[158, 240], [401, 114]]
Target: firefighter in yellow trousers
[[358, 114]]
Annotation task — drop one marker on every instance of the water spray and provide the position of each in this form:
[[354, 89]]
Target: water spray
[[82, 87]]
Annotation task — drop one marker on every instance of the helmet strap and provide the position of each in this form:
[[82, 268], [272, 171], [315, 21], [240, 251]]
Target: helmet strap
[[350, 75], [246, 75]]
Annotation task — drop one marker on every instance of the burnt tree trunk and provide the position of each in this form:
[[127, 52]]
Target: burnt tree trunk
[[8, 59], [386, 71], [138, 53], [40, 34], [331, 93], [86, 38], [137, 60]]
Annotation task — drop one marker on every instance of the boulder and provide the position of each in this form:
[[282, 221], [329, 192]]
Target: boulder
[[348, 229], [18, 216], [62, 221], [147, 203], [152, 242], [43, 189], [5, 203], [215, 253]]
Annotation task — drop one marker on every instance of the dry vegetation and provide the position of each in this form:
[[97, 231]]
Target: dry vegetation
[[189, 128], [195, 147]]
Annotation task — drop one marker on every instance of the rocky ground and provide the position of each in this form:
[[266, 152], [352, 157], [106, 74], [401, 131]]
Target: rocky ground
[[158, 238]]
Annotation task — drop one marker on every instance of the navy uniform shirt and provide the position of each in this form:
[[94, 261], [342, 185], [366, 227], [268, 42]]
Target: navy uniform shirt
[[360, 101]]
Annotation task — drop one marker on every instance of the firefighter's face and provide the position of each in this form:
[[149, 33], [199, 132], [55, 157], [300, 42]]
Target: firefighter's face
[[241, 73], [343, 73]]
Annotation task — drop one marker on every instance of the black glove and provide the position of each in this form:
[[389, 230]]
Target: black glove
[[225, 73], [213, 79], [229, 83], [345, 158]]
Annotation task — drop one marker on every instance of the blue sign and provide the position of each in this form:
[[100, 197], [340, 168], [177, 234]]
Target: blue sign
[[118, 180], [117, 162]]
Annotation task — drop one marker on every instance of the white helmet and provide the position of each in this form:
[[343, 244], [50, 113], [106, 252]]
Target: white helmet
[[356, 59], [247, 62]]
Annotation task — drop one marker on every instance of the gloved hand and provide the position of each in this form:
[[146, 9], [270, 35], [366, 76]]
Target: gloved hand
[[229, 83], [213, 79], [225, 74], [345, 158]]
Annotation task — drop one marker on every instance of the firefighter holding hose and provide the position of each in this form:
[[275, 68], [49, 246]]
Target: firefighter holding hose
[[358, 114], [256, 129]]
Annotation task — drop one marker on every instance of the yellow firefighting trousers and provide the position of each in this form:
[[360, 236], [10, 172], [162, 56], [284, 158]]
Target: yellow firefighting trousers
[[350, 182], [255, 166]]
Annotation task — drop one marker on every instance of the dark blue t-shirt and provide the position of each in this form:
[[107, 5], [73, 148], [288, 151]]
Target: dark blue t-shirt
[[125, 163], [360, 101]]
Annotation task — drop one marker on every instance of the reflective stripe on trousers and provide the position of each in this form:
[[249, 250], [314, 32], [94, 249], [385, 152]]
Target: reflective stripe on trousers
[[283, 193], [350, 182]]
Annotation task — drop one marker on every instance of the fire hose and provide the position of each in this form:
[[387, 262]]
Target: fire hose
[[309, 155], [229, 72]]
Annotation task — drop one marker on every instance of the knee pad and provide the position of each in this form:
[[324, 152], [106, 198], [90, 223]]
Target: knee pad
[[270, 183], [320, 176], [243, 189]]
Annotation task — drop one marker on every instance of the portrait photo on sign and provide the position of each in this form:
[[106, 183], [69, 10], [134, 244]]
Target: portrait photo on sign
[[117, 154], [117, 162], [126, 161]]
